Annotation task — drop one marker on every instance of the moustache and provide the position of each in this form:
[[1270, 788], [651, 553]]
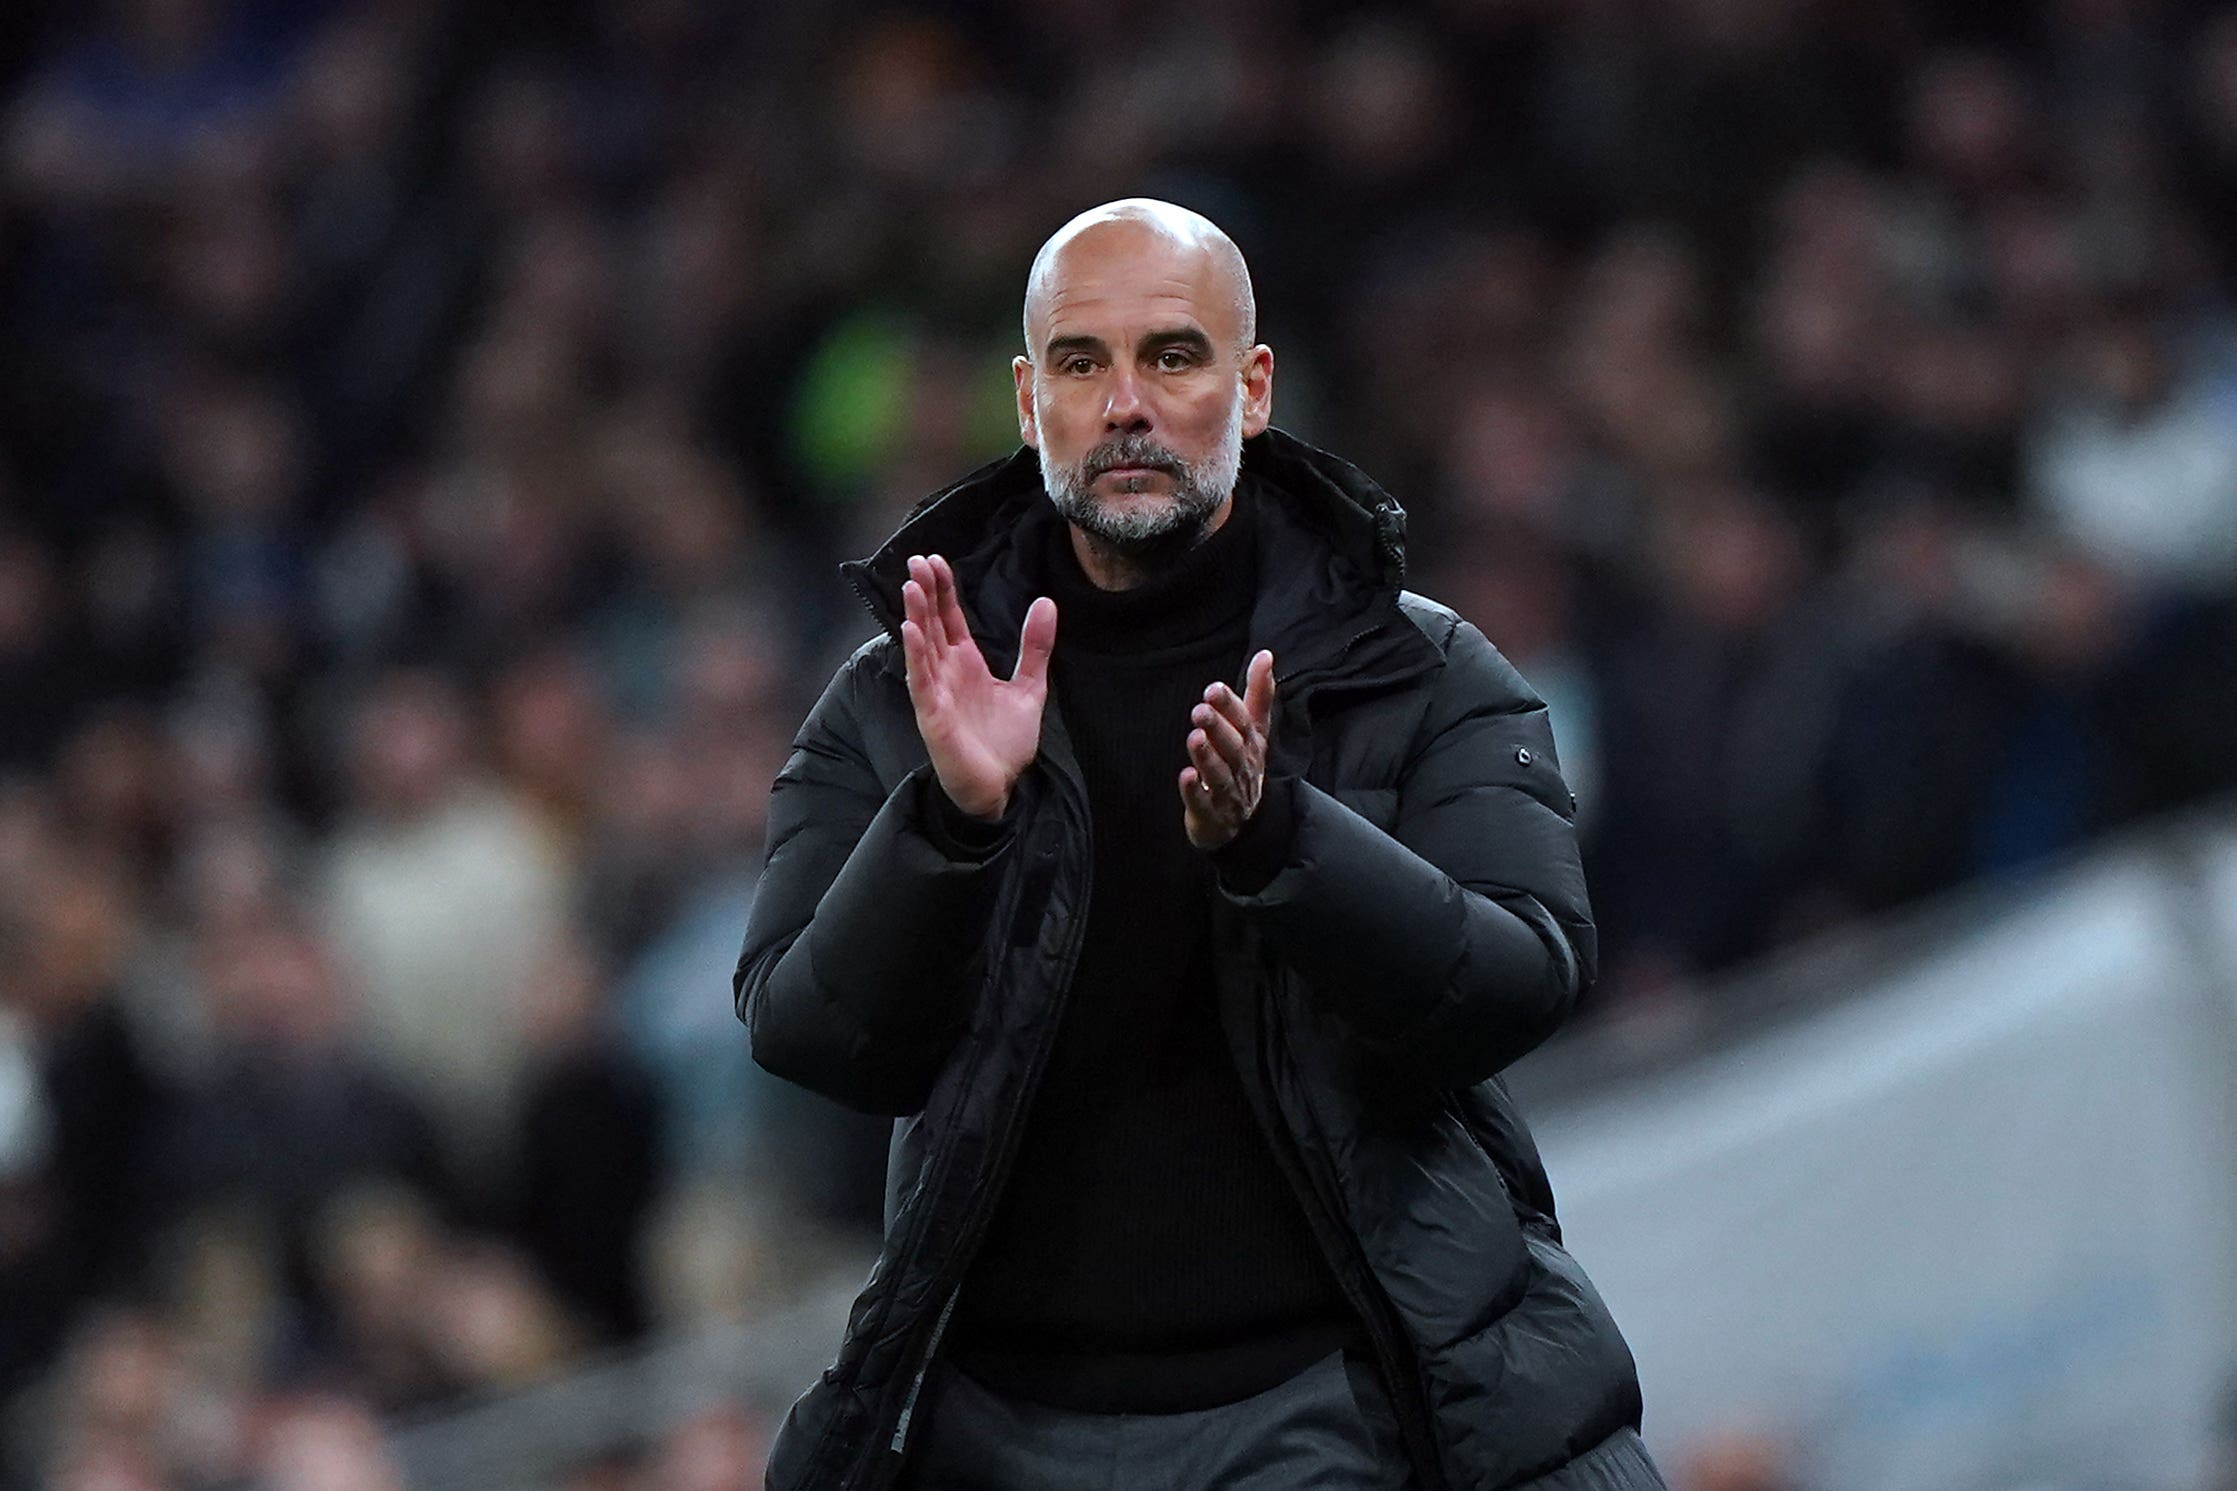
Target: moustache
[[1130, 450]]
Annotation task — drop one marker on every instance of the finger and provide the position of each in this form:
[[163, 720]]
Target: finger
[[1192, 795], [913, 656], [920, 607], [1217, 773], [912, 610], [1036, 640], [1225, 738], [1258, 692], [1229, 706], [949, 599]]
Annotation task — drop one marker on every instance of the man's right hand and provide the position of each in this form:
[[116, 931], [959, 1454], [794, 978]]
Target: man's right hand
[[980, 731]]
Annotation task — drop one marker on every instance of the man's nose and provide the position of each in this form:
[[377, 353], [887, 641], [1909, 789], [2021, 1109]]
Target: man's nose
[[1123, 405]]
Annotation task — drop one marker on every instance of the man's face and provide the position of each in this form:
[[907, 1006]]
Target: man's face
[[1138, 393]]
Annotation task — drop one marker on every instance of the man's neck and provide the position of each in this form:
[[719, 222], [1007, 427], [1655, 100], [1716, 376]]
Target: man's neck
[[1111, 568]]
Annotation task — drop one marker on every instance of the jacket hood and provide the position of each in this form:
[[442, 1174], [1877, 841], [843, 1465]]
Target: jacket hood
[[991, 524]]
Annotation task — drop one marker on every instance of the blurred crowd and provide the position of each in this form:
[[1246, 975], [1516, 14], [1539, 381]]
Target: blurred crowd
[[427, 430]]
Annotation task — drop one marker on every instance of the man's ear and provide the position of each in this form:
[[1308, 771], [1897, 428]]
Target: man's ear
[[1021, 371], [1258, 389]]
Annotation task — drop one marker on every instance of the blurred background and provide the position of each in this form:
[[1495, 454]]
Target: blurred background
[[427, 432]]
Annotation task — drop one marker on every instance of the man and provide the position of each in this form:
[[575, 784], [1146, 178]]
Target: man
[[1190, 1000]]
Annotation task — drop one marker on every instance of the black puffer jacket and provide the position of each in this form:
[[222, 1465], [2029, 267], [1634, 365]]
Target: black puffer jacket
[[1429, 927]]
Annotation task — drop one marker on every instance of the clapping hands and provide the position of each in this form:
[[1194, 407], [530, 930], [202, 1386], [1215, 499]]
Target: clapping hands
[[1226, 775], [980, 731]]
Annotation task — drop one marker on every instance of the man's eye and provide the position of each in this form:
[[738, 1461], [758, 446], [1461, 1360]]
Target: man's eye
[[1174, 360], [1077, 365]]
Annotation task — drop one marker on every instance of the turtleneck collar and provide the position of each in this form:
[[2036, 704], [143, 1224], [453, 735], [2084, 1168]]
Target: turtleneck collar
[[1210, 586]]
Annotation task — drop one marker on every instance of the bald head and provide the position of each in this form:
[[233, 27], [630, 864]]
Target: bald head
[[1150, 241], [1142, 379]]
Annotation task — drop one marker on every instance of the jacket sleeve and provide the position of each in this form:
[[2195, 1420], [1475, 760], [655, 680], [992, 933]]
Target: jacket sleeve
[[857, 971], [1459, 940]]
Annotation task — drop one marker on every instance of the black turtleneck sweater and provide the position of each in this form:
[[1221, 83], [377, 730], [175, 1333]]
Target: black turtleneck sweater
[[1147, 1255]]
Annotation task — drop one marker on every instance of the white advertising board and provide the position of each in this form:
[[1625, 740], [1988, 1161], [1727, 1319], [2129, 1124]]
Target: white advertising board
[[1973, 1229]]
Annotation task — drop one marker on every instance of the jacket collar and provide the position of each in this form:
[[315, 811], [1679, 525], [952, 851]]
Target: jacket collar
[[1332, 556]]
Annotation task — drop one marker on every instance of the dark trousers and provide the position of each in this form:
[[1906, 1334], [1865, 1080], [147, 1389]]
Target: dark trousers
[[1329, 1428]]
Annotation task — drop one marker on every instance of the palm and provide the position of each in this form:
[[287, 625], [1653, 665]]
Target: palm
[[985, 728], [1225, 779], [980, 731]]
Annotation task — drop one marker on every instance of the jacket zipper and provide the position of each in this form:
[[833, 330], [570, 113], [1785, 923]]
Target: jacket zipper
[[974, 1221], [870, 604], [916, 1384], [936, 1162]]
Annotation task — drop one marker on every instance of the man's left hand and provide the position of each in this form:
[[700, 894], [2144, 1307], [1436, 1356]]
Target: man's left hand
[[1226, 775]]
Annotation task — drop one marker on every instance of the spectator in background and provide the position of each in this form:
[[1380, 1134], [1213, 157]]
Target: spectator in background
[[691, 543], [440, 892], [1716, 708], [86, 1107], [717, 1448], [234, 459], [2136, 462], [35, 1299], [384, 271], [329, 1444], [288, 1118], [551, 727], [589, 1136], [42, 670], [121, 1407]]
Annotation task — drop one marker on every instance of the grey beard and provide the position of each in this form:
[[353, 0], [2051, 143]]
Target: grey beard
[[1135, 533]]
